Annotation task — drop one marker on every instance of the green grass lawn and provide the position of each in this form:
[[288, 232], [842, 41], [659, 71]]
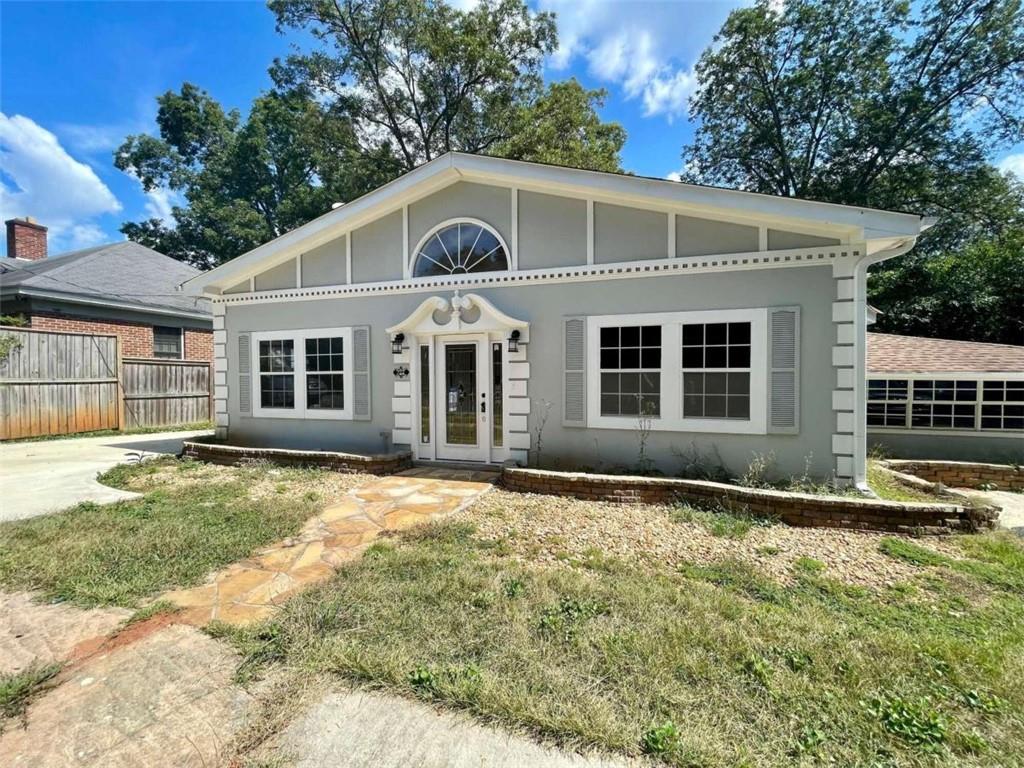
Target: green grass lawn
[[887, 487], [193, 519], [699, 666]]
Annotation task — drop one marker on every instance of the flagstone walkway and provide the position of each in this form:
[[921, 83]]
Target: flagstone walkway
[[251, 589]]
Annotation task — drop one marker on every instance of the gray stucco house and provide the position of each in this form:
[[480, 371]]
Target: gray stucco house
[[479, 309]]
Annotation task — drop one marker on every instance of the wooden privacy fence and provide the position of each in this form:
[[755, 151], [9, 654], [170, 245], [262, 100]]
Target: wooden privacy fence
[[165, 392], [57, 383]]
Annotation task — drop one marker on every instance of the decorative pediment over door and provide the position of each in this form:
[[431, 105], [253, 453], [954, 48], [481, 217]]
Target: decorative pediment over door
[[471, 313]]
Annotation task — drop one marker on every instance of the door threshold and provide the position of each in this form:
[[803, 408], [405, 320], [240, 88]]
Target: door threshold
[[456, 464]]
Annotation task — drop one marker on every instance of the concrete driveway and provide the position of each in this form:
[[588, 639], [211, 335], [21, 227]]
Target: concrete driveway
[[36, 478]]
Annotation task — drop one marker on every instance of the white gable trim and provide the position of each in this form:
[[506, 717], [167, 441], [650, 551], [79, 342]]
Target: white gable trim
[[846, 222], [839, 256]]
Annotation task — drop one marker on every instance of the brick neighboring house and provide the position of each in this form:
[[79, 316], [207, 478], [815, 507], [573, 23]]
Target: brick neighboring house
[[118, 288]]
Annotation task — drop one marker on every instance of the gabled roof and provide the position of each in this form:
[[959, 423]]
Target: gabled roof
[[123, 274], [889, 353], [880, 229]]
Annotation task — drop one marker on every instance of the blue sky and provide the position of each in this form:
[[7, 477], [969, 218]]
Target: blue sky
[[76, 78]]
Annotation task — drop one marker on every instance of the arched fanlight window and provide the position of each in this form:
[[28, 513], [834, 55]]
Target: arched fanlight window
[[457, 248]]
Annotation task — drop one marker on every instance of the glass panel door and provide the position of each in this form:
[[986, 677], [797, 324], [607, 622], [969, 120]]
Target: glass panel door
[[460, 394]]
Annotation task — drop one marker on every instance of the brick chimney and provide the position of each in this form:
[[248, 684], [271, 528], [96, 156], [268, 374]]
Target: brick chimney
[[26, 239]]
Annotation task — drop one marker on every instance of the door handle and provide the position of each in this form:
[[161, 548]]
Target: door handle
[[483, 407]]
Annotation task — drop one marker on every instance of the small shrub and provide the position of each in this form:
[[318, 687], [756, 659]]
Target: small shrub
[[661, 740]]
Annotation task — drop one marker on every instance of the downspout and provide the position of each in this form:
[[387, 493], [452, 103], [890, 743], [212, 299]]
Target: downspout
[[860, 288]]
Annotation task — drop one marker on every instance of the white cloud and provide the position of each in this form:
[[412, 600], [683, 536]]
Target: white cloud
[[1013, 164], [160, 205], [648, 48], [41, 179], [669, 95]]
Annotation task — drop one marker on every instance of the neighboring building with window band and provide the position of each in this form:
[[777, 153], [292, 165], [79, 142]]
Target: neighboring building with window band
[[944, 399]]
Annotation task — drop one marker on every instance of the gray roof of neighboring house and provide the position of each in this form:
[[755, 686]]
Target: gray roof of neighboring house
[[124, 273]]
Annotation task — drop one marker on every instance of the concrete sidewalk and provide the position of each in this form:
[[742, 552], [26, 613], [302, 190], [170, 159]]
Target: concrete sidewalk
[[49, 475]]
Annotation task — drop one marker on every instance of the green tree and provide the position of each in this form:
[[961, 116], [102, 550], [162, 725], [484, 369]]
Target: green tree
[[418, 76], [245, 182], [562, 127], [877, 103]]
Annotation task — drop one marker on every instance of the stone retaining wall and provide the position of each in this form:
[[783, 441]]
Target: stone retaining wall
[[962, 474], [379, 464], [801, 509]]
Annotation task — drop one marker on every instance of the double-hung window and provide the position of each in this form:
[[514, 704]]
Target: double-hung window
[[701, 371], [303, 374]]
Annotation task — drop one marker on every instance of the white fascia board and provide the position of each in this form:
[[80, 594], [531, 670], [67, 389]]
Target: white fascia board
[[392, 196], [710, 199]]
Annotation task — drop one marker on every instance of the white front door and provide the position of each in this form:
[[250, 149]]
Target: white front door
[[463, 412]]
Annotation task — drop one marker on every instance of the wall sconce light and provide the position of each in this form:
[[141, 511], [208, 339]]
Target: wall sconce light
[[513, 341], [396, 343]]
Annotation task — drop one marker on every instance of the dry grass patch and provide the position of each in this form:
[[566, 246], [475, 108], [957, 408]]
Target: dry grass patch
[[556, 530]]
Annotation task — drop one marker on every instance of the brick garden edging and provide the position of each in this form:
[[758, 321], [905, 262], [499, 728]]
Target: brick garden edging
[[800, 509], [961, 474], [231, 455]]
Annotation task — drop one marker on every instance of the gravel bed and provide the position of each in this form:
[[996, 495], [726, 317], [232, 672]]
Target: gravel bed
[[555, 530]]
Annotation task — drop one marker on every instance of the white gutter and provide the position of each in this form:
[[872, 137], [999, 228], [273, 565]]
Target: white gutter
[[860, 282], [144, 308]]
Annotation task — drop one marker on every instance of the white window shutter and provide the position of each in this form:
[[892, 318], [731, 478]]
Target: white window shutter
[[784, 370], [361, 373], [244, 373], [574, 360]]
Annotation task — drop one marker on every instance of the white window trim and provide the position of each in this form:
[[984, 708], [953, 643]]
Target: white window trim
[[414, 254], [300, 411], [671, 418]]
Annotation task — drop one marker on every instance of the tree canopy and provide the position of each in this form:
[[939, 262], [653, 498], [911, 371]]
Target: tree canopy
[[390, 84], [884, 104]]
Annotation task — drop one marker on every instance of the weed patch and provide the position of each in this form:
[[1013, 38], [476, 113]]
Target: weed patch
[[17, 690]]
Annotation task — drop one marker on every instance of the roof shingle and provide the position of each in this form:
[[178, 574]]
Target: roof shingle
[[889, 353], [124, 272]]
